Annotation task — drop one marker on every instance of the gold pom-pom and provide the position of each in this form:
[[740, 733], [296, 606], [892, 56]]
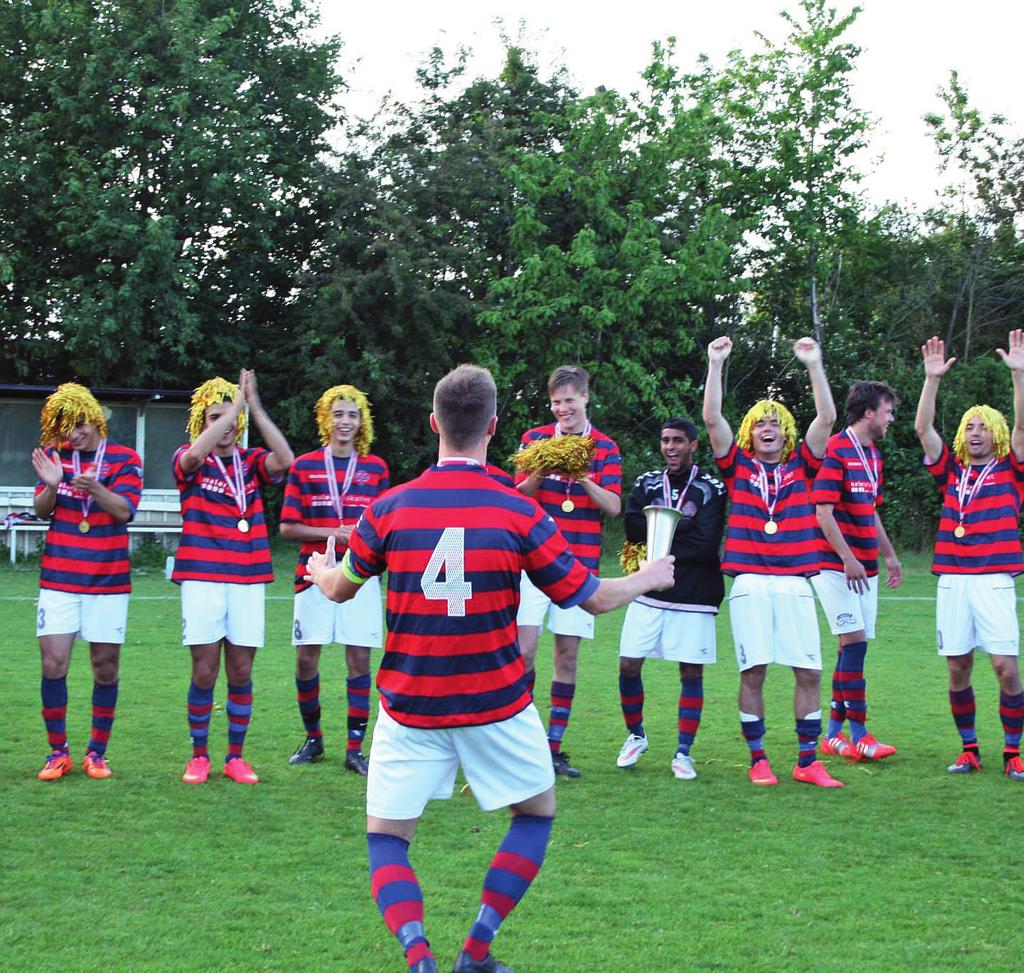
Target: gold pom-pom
[[632, 556], [345, 393], [567, 455], [69, 405], [212, 392]]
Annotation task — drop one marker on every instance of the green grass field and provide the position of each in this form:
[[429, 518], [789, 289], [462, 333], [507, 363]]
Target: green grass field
[[905, 868]]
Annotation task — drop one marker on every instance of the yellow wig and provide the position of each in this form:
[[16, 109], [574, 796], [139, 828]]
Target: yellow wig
[[995, 424], [764, 410], [69, 405], [213, 392], [345, 393]]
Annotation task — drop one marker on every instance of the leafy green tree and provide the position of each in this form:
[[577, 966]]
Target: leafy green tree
[[159, 183]]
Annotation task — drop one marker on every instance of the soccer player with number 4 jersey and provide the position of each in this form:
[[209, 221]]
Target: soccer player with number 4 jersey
[[325, 496], [453, 687], [223, 560], [771, 549], [89, 488], [847, 493], [977, 549]]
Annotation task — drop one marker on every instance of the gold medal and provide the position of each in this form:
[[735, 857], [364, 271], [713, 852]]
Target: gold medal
[[771, 527], [83, 527], [959, 531], [243, 526], [568, 506]]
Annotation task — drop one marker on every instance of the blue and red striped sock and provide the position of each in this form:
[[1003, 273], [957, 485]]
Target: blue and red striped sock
[[961, 702], [54, 695], [104, 703], [691, 706], [854, 687], [1011, 712], [752, 728], [239, 711], [358, 690], [307, 692], [807, 732], [631, 697], [561, 708], [200, 705], [396, 890], [836, 711], [512, 870]]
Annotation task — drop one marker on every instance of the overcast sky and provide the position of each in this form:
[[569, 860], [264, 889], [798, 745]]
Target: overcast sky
[[909, 47]]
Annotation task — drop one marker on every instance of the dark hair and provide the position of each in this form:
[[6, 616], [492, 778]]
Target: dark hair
[[684, 426], [867, 395], [465, 401], [575, 375]]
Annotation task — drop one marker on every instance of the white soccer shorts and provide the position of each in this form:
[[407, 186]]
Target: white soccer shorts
[[977, 611], [536, 608], [773, 620], [504, 763], [316, 620], [846, 610], [94, 618], [214, 610], [663, 633]]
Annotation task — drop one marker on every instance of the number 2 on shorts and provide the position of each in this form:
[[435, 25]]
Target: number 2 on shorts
[[449, 555]]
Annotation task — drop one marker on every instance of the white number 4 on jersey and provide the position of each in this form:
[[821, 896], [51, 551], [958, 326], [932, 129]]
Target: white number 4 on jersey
[[449, 555]]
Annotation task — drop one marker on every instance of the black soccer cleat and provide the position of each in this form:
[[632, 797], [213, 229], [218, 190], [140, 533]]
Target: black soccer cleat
[[310, 752], [560, 762], [466, 964], [426, 965], [356, 762]]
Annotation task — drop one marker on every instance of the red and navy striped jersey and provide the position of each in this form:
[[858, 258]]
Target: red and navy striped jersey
[[581, 526], [841, 481], [794, 548], [991, 544], [505, 479], [454, 543], [95, 563], [212, 548], [307, 500]]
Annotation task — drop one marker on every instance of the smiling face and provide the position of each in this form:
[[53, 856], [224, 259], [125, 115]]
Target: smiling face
[[877, 421], [677, 450], [345, 422], [569, 407], [768, 439], [979, 441], [85, 437]]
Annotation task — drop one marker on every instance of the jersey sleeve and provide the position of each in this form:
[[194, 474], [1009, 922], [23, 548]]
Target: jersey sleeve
[[180, 476], [609, 473], [365, 557], [635, 519], [727, 464], [1017, 472], [258, 456], [291, 507], [552, 567], [810, 462], [127, 481], [828, 484], [939, 470]]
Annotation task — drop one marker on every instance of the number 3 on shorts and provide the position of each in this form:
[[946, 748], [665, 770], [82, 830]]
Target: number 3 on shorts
[[449, 555]]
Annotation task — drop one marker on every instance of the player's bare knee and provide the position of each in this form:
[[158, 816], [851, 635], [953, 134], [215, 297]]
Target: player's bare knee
[[753, 678], [807, 679], [307, 661], [541, 805], [630, 668], [357, 660], [1007, 673]]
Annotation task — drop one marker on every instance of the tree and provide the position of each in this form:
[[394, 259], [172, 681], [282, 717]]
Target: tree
[[159, 178]]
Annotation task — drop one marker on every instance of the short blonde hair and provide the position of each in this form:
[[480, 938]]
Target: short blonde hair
[[66, 407], [212, 392], [345, 393], [765, 409], [996, 424]]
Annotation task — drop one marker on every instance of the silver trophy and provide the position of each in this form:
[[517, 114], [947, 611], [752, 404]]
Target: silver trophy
[[661, 528]]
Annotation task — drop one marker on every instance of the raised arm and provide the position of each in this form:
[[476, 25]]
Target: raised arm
[[281, 454], [196, 454], [933, 351], [808, 351], [719, 433], [1014, 360]]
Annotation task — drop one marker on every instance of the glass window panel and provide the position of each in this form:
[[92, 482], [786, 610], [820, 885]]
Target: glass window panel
[[165, 432]]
